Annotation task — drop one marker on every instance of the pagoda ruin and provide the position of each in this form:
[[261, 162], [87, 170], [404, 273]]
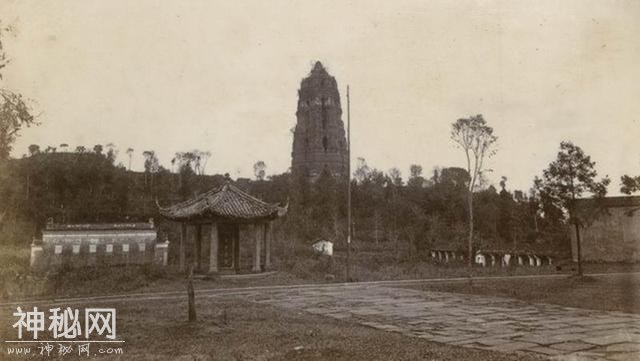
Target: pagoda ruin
[[319, 138]]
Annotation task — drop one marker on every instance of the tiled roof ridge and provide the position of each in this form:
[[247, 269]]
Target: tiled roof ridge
[[244, 194], [195, 199], [227, 200]]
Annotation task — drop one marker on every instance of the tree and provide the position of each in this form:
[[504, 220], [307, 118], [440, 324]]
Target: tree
[[565, 180], [415, 170], [415, 178], [151, 163], [362, 171], [97, 149], [204, 158], [476, 139], [130, 154], [259, 169], [14, 111], [34, 149], [112, 152], [396, 176], [195, 159], [629, 184]]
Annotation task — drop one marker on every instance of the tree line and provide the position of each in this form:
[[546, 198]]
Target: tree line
[[451, 207]]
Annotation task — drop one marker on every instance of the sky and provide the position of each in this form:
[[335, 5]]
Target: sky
[[222, 76]]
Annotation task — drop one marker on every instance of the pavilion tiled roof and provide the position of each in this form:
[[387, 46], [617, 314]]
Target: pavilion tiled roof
[[226, 202]]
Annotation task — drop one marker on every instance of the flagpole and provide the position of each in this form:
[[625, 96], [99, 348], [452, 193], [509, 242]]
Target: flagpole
[[348, 183]]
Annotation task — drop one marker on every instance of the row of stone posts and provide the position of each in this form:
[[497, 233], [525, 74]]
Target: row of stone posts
[[493, 258]]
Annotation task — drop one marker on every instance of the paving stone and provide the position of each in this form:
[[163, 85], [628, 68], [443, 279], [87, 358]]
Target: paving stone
[[568, 337], [624, 347], [513, 346], [546, 350], [627, 356], [572, 346], [506, 325], [610, 339], [599, 321], [537, 338], [493, 341]]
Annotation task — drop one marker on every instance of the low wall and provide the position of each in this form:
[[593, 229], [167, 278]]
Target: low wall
[[77, 249]]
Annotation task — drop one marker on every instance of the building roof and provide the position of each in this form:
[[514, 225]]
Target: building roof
[[53, 227], [226, 202]]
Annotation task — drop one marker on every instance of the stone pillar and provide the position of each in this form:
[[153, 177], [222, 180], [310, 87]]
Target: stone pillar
[[256, 254], [268, 236], [213, 253], [160, 256], [183, 241]]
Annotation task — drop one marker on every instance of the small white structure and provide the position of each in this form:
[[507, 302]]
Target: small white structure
[[323, 247], [481, 259], [506, 259]]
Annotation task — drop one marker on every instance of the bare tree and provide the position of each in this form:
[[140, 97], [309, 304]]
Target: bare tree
[[112, 152], [259, 169], [204, 158], [396, 176], [476, 139], [130, 154], [362, 171]]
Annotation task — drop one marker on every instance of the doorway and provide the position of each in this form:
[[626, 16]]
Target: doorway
[[228, 253]]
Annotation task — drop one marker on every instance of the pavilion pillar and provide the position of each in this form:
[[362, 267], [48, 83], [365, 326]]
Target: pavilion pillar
[[256, 254], [268, 235], [183, 241], [198, 247], [213, 253]]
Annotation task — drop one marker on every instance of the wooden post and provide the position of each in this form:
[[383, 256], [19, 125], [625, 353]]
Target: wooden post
[[213, 254], [183, 241], [268, 236], [256, 255], [191, 295]]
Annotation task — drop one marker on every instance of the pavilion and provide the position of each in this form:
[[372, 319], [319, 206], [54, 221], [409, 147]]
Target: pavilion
[[228, 229]]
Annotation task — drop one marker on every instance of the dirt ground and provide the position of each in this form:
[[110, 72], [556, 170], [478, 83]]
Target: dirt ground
[[238, 330]]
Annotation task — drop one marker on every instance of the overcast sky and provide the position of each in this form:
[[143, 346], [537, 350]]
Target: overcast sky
[[223, 76]]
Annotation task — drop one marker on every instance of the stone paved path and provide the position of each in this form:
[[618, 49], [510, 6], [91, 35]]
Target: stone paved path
[[501, 324]]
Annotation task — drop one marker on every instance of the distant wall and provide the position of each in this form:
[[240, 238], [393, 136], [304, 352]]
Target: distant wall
[[612, 237]]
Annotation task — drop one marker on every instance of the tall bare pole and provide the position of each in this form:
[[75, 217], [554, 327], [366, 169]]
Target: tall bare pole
[[348, 183]]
